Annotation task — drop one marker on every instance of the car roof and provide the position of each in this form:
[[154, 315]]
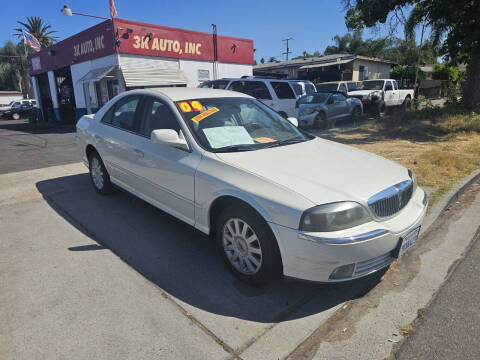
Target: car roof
[[184, 93]]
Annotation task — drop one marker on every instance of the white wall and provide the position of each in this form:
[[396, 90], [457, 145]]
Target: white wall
[[191, 67], [227, 70], [376, 70], [6, 99], [81, 69]]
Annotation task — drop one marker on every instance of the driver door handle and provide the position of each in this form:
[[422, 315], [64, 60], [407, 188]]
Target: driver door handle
[[139, 152]]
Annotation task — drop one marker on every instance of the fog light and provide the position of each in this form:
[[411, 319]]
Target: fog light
[[342, 272]]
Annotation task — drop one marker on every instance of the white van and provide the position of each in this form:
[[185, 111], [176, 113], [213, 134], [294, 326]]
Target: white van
[[278, 94], [302, 87]]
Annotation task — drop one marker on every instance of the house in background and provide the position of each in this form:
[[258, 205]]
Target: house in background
[[334, 67], [6, 97]]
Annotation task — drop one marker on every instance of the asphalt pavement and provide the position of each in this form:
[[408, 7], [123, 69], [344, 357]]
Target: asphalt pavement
[[25, 147], [450, 326]]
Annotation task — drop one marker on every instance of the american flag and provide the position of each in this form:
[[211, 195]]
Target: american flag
[[113, 10], [31, 41]]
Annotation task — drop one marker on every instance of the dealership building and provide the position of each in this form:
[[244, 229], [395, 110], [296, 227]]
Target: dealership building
[[78, 75]]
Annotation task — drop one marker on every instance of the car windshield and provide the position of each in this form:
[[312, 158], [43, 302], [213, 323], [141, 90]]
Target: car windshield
[[217, 84], [370, 85], [237, 124], [327, 87], [314, 98]]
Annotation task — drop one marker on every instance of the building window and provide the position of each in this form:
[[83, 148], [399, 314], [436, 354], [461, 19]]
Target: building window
[[203, 75], [363, 73]]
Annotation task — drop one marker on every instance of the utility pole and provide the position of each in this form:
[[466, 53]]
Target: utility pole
[[416, 87], [288, 49]]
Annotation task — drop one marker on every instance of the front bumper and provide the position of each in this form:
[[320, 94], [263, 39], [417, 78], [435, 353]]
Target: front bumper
[[307, 119], [314, 256]]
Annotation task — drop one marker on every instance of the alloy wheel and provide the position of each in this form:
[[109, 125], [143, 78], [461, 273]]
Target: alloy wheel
[[242, 246], [97, 172]]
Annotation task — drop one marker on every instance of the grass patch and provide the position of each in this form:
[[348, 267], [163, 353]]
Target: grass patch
[[441, 146]]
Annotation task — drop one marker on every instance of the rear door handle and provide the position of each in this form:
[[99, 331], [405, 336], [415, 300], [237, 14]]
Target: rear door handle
[[139, 152]]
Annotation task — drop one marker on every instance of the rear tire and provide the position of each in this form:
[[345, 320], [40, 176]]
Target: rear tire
[[406, 104], [99, 175], [248, 245], [357, 113]]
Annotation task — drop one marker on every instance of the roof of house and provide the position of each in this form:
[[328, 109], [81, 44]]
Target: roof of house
[[334, 58]]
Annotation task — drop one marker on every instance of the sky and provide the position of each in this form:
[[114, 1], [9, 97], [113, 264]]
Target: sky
[[311, 23]]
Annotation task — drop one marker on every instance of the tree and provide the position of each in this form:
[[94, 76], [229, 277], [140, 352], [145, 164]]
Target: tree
[[456, 22], [272, 59], [262, 61], [14, 68], [38, 28]]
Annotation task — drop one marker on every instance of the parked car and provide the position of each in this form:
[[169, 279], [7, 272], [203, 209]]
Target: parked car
[[277, 200], [19, 110], [379, 95], [278, 94], [322, 109], [4, 109], [302, 87], [340, 86]]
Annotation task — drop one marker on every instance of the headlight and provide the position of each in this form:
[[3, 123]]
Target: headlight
[[334, 217], [308, 111]]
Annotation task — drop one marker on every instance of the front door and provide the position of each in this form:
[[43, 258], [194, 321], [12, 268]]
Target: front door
[[337, 106], [166, 174]]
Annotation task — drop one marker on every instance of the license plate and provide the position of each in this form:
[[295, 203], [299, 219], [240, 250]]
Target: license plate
[[408, 241]]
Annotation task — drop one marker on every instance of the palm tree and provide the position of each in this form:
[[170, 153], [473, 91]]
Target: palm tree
[[38, 28]]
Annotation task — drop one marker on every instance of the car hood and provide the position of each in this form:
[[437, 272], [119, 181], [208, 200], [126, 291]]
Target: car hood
[[321, 171]]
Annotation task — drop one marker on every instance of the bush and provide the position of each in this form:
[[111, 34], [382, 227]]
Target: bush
[[406, 72]]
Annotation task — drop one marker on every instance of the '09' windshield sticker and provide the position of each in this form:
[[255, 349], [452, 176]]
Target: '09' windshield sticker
[[205, 114], [189, 106]]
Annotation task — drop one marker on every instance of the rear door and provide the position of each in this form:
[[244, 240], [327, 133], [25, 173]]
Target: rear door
[[285, 97], [257, 89], [113, 139]]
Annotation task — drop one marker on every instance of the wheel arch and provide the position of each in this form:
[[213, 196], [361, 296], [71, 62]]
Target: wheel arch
[[89, 150]]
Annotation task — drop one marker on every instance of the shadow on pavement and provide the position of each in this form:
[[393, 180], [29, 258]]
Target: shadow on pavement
[[42, 128], [182, 261]]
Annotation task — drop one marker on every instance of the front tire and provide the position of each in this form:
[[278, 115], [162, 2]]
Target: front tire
[[320, 121], [248, 245], [357, 113], [15, 116], [99, 175], [381, 109]]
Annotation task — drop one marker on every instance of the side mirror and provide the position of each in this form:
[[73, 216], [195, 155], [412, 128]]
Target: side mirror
[[293, 120], [168, 137]]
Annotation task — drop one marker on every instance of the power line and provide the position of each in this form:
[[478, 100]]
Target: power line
[[288, 49]]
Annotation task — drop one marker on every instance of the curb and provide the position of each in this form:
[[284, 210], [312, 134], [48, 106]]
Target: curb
[[449, 198]]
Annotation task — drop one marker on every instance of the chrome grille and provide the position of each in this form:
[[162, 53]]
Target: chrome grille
[[391, 200]]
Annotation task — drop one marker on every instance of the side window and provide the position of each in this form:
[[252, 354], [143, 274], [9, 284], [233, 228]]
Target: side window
[[124, 113], [257, 89], [338, 98], [395, 86], [309, 89], [342, 88], [157, 115], [282, 90], [388, 86], [107, 118]]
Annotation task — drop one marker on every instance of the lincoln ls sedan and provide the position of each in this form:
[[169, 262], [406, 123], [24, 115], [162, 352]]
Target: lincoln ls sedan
[[278, 201]]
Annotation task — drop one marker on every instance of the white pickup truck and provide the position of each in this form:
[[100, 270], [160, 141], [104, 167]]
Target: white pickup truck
[[379, 95]]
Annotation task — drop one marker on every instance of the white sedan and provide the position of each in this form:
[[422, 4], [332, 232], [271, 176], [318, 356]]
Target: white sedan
[[277, 200]]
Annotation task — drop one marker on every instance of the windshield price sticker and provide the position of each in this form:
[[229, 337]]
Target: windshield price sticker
[[205, 114], [189, 106]]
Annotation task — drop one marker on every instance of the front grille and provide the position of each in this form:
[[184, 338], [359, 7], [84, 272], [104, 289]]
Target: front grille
[[366, 267], [391, 200]]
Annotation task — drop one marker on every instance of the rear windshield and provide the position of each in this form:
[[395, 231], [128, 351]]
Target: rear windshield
[[314, 98], [371, 85], [352, 86], [327, 87], [310, 89], [217, 84]]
